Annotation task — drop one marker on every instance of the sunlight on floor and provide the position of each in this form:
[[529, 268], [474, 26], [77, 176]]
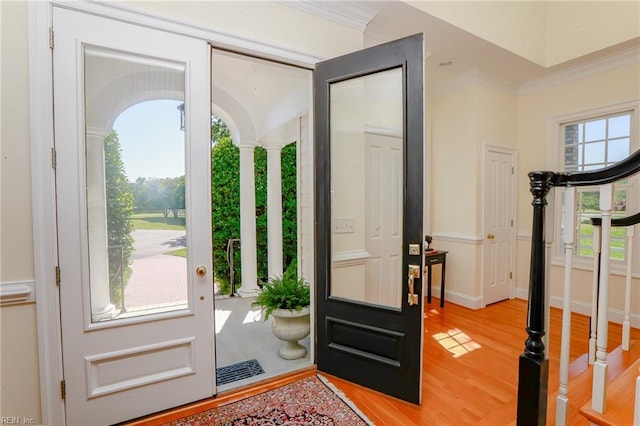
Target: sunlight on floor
[[456, 342], [253, 316], [221, 317]]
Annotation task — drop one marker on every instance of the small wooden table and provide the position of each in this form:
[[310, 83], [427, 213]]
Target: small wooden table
[[431, 258]]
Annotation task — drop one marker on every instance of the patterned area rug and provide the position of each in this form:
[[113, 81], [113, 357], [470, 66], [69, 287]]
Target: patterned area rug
[[309, 401]]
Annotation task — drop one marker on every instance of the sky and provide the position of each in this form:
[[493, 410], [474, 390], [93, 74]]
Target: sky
[[151, 140]]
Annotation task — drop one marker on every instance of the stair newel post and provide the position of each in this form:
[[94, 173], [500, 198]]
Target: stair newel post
[[533, 371]]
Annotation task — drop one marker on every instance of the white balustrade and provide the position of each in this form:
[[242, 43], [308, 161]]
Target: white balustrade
[[599, 390], [568, 238]]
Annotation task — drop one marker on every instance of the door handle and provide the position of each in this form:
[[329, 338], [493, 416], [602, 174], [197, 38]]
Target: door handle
[[201, 271], [414, 272], [491, 236]]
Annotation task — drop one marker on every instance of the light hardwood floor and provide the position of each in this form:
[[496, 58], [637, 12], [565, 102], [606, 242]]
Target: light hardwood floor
[[470, 369]]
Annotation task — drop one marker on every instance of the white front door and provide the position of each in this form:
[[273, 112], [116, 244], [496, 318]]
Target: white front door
[[136, 305], [498, 224]]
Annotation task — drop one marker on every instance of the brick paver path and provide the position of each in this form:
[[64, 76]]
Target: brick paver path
[[156, 281]]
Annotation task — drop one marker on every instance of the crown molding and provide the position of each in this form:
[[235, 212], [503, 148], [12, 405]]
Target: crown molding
[[607, 63], [351, 14]]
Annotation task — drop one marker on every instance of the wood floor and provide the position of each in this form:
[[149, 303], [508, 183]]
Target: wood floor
[[470, 369]]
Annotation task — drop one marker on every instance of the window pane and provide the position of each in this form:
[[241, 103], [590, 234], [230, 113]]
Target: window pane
[[620, 126], [134, 168], [595, 130], [571, 134], [618, 150], [594, 153]]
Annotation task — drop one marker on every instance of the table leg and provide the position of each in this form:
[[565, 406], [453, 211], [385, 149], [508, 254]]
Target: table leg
[[429, 284], [444, 267]]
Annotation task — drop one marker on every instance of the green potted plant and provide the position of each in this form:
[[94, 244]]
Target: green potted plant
[[287, 300]]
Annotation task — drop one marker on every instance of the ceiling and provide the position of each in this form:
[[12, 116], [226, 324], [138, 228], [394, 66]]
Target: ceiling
[[461, 53]]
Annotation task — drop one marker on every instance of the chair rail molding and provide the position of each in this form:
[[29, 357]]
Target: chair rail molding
[[17, 292]]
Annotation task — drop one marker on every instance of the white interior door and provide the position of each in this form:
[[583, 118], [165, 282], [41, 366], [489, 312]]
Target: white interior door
[[498, 224], [136, 307], [383, 226]]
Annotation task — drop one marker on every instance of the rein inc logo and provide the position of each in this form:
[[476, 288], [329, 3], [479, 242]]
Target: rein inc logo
[[15, 420]]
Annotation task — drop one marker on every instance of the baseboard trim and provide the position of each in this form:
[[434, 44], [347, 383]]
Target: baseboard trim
[[457, 298], [615, 315]]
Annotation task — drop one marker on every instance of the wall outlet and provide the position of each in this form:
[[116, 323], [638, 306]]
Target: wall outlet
[[344, 225]]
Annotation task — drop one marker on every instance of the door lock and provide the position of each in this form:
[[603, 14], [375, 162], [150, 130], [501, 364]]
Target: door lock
[[414, 272], [201, 271]]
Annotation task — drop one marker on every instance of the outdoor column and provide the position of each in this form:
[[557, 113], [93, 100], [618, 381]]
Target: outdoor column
[[101, 306], [274, 211], [248, 250]]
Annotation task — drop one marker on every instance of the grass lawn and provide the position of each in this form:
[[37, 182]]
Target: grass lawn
[[157, 221], [180, 252]]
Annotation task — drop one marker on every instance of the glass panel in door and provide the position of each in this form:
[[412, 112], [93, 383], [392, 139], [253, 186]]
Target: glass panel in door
[[135, 184], [366, 139]]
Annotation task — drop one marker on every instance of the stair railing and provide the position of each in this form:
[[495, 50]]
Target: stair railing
[[533, 373]]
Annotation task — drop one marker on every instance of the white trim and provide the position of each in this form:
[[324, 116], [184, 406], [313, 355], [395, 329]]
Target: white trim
[[608, 63], [238, 43], [458, 238], [471, 302], [523, 236], [17, 292], [351, 14], [345, 259], [44, 224], [41, 142], [555, 157]]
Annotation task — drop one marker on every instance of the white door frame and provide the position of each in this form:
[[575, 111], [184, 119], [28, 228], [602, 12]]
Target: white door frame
[[43, 189], [512, 261]]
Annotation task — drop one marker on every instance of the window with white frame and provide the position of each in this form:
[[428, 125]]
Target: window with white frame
[[593, 143]]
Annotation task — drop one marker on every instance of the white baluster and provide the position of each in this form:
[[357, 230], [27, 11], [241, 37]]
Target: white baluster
[[626, 325], [594, 294], [599, 391], [568, 238]]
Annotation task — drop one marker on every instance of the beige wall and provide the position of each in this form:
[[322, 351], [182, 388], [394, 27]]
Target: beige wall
[[533, 110], [464, 121], [20, 392], [545, 32]]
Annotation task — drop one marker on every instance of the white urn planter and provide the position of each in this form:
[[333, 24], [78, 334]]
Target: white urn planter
[[290, 326]]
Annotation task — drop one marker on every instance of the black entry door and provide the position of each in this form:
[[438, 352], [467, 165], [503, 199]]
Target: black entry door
[[369, 174]]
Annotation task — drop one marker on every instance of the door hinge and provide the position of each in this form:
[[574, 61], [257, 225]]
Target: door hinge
[[63, 389], [54, 158], [512, 223], [57, 275], [510, 275], [512, 170], [50, 37]]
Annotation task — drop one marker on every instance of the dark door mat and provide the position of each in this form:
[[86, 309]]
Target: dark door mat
[[239, 371]]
